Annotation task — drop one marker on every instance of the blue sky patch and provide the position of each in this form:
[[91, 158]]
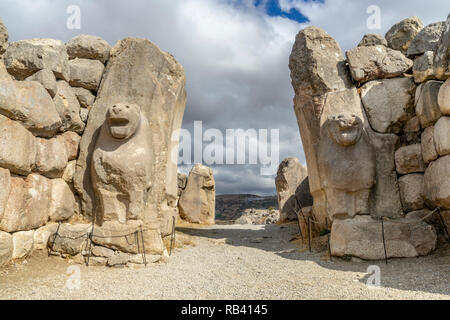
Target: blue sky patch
[[273, 9]]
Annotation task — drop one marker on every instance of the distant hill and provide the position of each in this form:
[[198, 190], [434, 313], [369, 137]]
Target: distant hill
[[232, 206]]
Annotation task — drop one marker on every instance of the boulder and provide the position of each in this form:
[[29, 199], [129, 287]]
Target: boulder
[[362, 237], [444, 98], [411, 191], [412, 125], [25, 57], [423, 69], [376, 62], [31, 105], [197, 202], [86, 73], [3, 37], [442, 53], [88, 47], [17, 147], [427, 39], [6, 248], [400, 35], [428, 148], [181, 182], [68, 107], [291, 173], [372, 39], [437, 184], [155, 82], [388, 103], [119, 259], [84, 96], [84, 114], [70, 239], [69, 172], [51, 157], [28, 204], [47, 79], [5, 188], [42, 234], [71, 141], [409, 159], [62, 203], [22, 244], [99, 251], [426, 101], [442, 136]]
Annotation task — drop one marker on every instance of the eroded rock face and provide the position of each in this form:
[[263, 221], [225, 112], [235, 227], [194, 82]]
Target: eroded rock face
[[372, 39], [429, 152], [400, 35], [6, 248], [444, 98], [68, 107], [3, 37], [437, 183], [426, 100], [47, 79], [62, 202], [121, 165], [5, 188], [86, 73], [409, 159], [51, 157], [411, 191], [423, 69], [442, 53], [197, 202], [427, 39], [84, 96], [88, 47], [442, 136], [23, 242]]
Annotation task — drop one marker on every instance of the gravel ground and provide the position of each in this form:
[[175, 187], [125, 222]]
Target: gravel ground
[[235, 262]]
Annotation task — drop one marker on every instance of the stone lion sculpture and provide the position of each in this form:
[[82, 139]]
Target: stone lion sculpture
[[121, 164], [346, 162]]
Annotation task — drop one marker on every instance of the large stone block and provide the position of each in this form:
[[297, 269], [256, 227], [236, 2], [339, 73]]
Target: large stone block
[[427, 39], [5, 188], [71, 141], [372, 39], [400, 35], [409, 159], [62, 203], [426, 101], [444, 98], [23, 242], [442, 53], [437, 183], [84, 96], [25, 57], [442, 136], [362, 237], [423, 69], [411, 191], [47, 79], [6, 248], [70, 239], [41, 236], [429, 152], [86, 73], [68, 107], [88, 47], [51, 157], [388, 103]]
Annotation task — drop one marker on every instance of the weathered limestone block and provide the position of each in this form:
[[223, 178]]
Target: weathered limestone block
[[427, 39], [51, 157], [412, 125], [47, 79], [429, 152], [155, 82], [84, 96], [442, 136], [69, 172], [88, 47], [444, 98], [426, 100], [121, 165], [41, 236], [362, 237], [31, 105], [376, 62], [6, 248], [86, 73], [71, 239], [22, 244], [197, 202], [5, 189], [71, 141], [423, 69], [437, 184], [400, 35], [17, 147], [411, 191], [181, 182], [3, 37], [291, 173], [388, 103], [68, 108], [409, 159], [442, 53], [62, 202], [99, 251], [372, 39], [84, 114], [25, 57], [28, 204]]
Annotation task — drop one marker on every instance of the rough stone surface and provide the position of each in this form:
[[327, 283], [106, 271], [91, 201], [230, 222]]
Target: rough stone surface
[[3, 37], [28, 204], [442, 53], [437, 183], [423, 69], [427, 39], [444, 98], [376, 62], [372, 39], [84, 96], [412, 125], [362, 237], [62, 203], [409, 159], [25, 57], [84, 114], [5, 188], [47, 79], [71, 239], [68, 107], [400, 35], [71, 142], [30, 104], [442, 136], [86, 73], [69, 172], [17, 147], [41, 236], [51, 157], [426, 100], [388, 103], [6, 248], [411, 191], [22, 244], [88, 47], [181, 182], [291, 173], [429, 152], [197, 202], [99, 251]]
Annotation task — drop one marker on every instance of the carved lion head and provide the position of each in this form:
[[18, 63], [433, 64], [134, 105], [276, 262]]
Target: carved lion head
[[123, 120], [345, 129]]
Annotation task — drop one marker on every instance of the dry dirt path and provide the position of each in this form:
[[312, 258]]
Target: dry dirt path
[[235, 262]]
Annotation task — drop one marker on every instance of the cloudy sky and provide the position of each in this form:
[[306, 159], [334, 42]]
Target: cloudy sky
[[235, 54]]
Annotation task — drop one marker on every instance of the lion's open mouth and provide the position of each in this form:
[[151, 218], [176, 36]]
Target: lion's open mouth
[[118, 122]]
